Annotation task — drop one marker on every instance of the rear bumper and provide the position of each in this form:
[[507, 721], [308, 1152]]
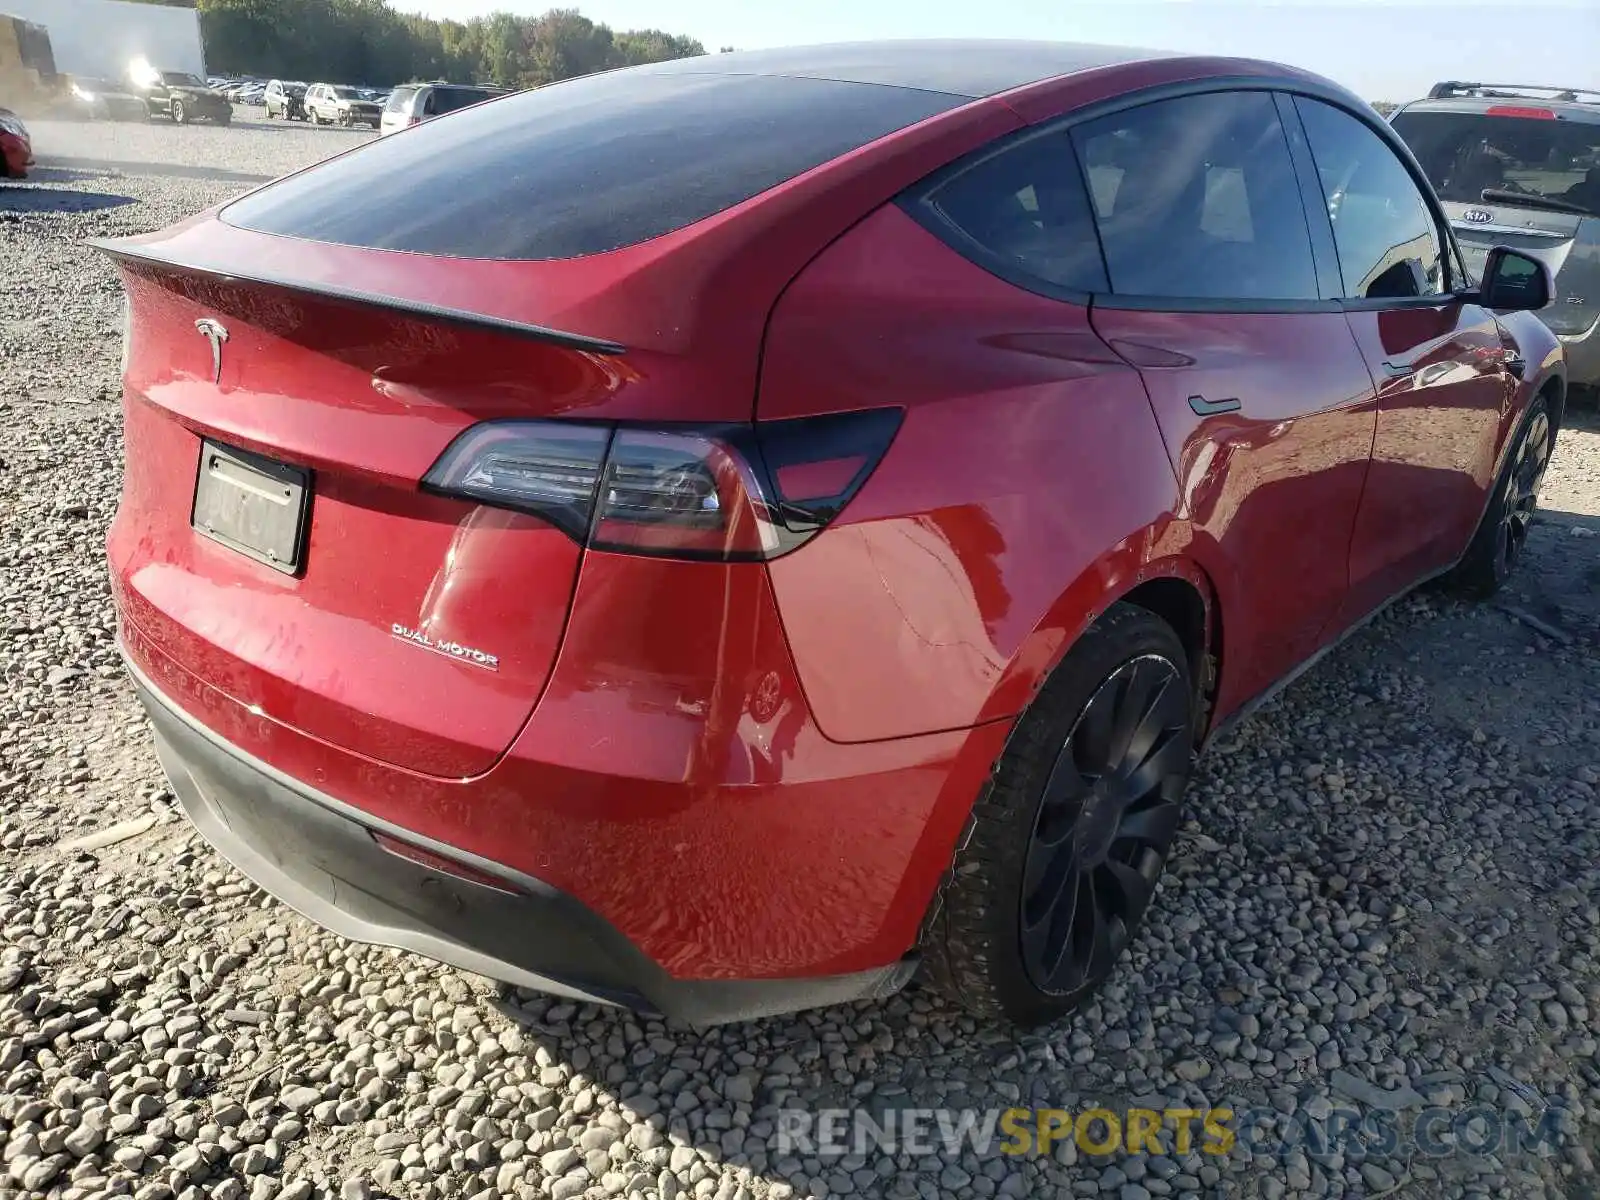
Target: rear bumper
[[319, 856], [1583, 356]]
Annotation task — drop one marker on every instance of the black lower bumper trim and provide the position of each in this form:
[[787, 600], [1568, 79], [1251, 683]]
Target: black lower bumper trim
[[318, 855]]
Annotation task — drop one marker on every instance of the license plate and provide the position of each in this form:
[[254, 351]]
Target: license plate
[[253, 505]]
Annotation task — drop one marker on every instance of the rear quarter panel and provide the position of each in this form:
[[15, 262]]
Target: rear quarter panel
[[1027, 488]]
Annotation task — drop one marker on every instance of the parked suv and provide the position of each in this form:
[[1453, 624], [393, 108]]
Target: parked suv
[[416, 102], [335, 104], [182, 97], [1519, 166], [285, 98], [718, 579]]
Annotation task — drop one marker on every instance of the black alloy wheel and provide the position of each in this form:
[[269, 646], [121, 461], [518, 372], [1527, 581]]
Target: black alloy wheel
[[1058, 864], [1522, 490], [1107, 818], [1501, 539]]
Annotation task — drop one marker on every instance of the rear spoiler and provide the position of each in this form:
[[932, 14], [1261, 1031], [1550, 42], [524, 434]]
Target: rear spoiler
[[123, 253]]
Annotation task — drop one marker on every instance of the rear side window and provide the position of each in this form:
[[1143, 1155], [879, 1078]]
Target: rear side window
[[581, 167], [1196, 197], [443, 100], [1389, 246], [1024, 210]]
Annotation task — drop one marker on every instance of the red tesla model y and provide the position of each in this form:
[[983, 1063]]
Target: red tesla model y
[[716, 536]]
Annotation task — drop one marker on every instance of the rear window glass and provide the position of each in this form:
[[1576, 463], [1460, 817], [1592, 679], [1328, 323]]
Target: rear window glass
[[581, 167], [400, 97], [1465, 154]]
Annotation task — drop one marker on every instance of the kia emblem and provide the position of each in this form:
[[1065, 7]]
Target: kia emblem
[[1478, 216]]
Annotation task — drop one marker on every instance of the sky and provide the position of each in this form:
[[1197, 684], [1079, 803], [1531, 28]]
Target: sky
[[1382, 50]]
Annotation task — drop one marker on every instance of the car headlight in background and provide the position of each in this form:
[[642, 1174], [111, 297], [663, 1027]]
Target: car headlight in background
[[141, 72]]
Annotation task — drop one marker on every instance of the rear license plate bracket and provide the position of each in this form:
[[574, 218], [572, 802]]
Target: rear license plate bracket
[[253, 505]]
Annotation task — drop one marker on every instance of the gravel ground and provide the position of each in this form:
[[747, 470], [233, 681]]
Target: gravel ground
[[1387, 893]]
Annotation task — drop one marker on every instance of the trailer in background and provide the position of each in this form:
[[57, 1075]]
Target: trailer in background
[[101, 39], [27, 64]]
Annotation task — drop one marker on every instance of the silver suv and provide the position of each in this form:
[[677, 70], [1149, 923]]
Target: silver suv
[[1519, 166]]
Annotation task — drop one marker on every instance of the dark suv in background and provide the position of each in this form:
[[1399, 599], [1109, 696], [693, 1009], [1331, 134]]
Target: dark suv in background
[[182, 97], [1519, 165]]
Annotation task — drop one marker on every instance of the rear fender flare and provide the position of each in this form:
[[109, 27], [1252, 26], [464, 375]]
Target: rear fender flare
[[1113, 577]]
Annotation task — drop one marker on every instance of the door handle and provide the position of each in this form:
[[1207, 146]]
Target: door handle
[[1210, 408], [1396, 370]]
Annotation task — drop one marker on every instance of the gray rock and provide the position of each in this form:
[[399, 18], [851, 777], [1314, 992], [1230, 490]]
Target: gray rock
[[1373, 1096], [1377, 1178], [299, 1099], [39, 1175], [559, 1162]]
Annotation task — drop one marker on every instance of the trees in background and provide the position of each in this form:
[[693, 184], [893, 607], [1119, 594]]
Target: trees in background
[[368, 41]]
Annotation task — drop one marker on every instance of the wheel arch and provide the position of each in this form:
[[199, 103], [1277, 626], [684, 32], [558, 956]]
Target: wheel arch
[[1554, 390], [1188, 603], [1177, 588]]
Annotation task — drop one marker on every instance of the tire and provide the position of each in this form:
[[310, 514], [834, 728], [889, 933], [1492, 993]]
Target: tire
[[1039, 821], [225, 119], [180, 115], [1497, 546]]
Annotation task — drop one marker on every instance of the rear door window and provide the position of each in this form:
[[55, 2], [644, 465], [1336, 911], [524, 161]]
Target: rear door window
[[1196, 197], [1024, 212], [1388, 241], [1510, 150], [582, 167]]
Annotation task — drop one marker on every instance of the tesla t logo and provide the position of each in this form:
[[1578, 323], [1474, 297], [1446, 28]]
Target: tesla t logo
[[1478, 216], [216, 333]]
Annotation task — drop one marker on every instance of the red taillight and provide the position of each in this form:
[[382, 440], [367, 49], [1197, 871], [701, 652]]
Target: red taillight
[[724, 492], [1517, 110], [441, 864], [685, 494]]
